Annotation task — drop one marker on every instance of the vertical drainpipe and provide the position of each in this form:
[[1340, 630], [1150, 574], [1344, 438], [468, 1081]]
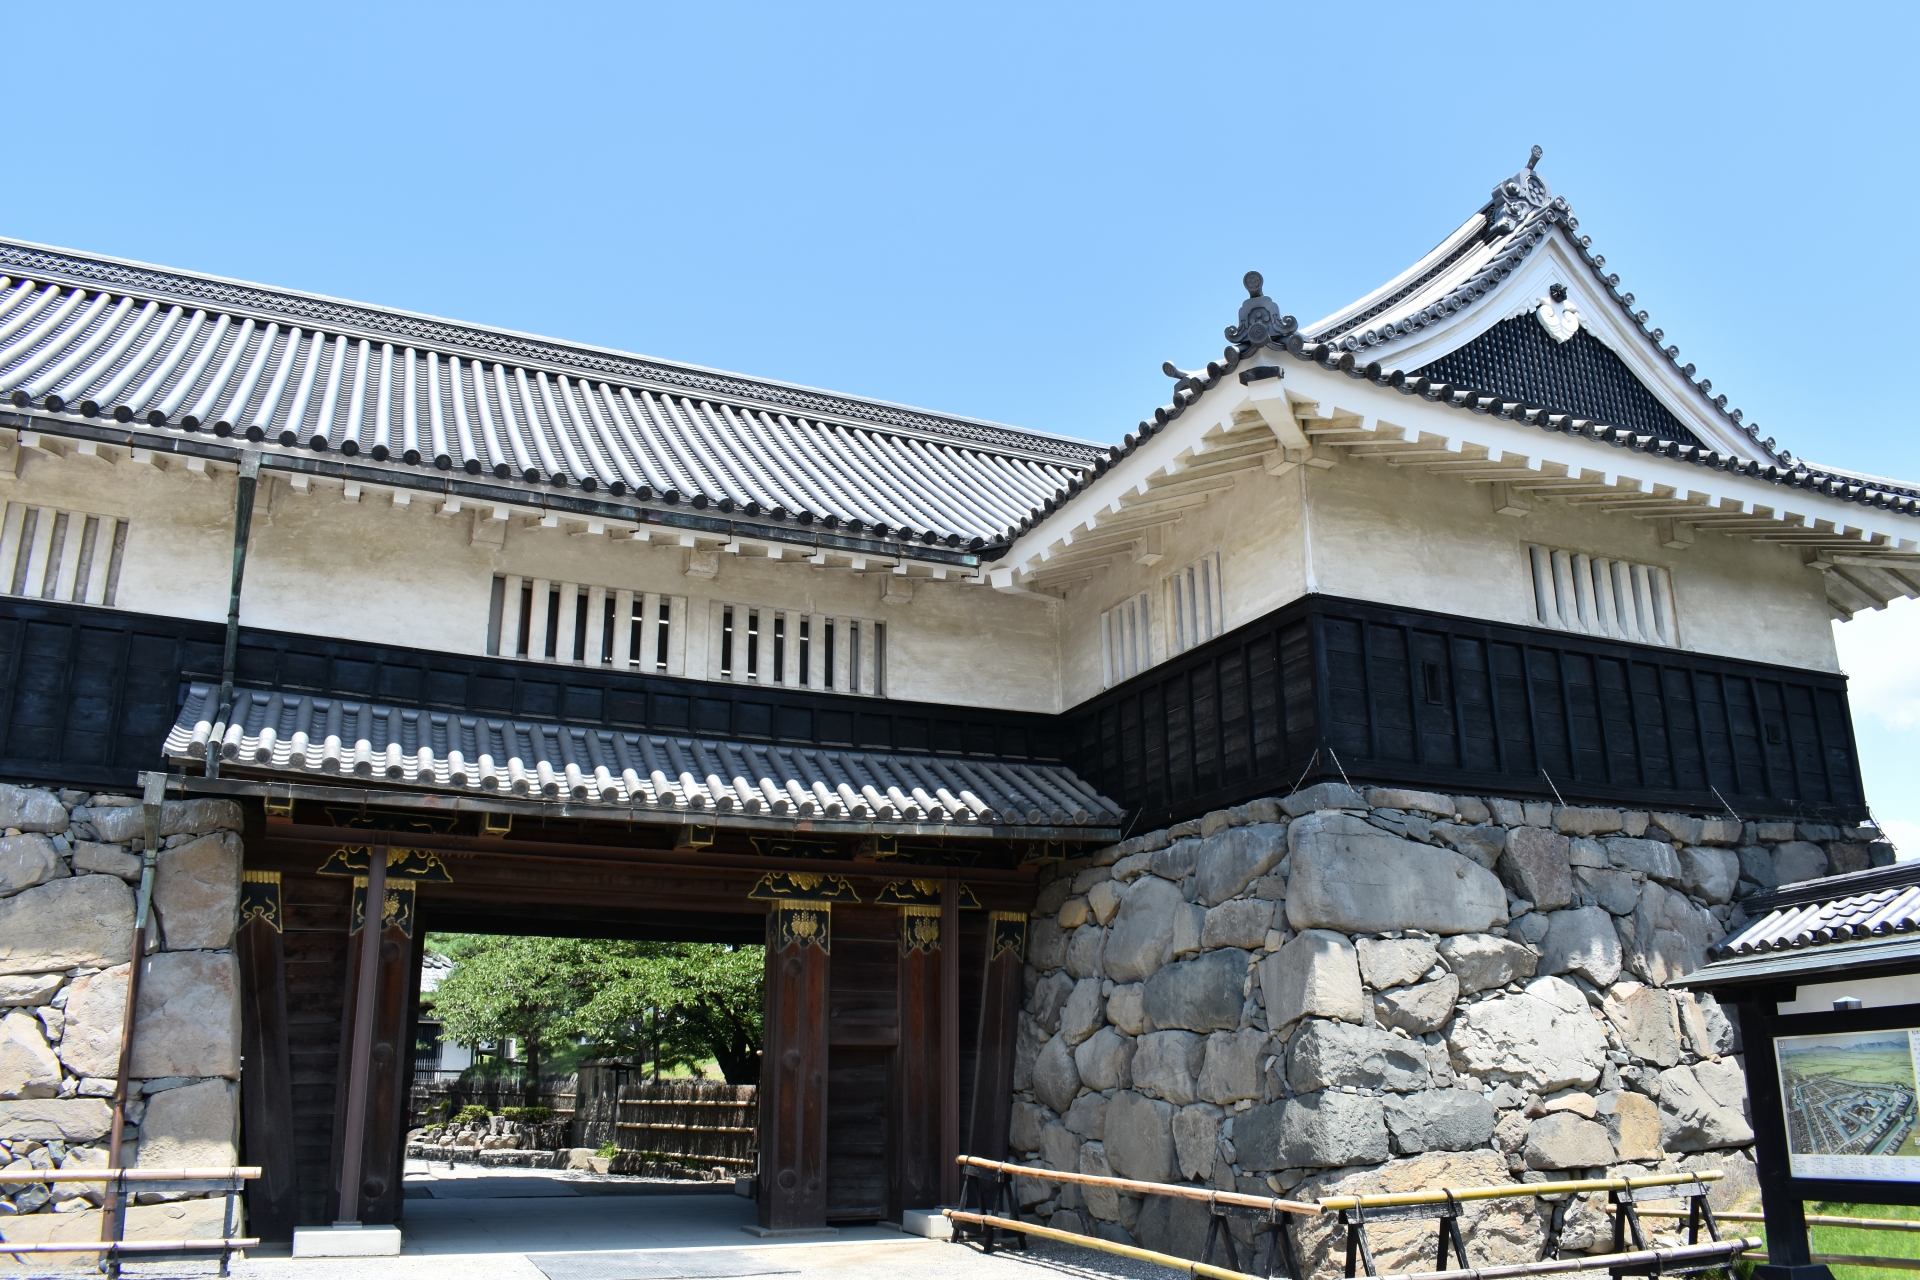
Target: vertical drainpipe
[[154, 793], [242, 529]]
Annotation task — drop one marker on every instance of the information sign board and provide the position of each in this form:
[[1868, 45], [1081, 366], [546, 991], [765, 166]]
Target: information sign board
[[1852, 1103]]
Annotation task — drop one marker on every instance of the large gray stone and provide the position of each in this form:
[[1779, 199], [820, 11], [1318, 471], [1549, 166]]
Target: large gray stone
[[1316, 974], [1587, 822], [1582, 941], [1482, 842], [1046, 944], [193, 1127], [83, 921], [1127, 1009], [1165, 1064], [1633, 1124], [1099, 1202], [1084, 947], [1417, 801], [1231, 1068], [1242, 922], [1439, 1120], [1647, 1022], [1613, 889], [28, 988], [1395, 962], [1205, 994], [1323, 795], [1542, 1039], [1139, 1137], [1704, 1024], [69, 1120], [1104, 1060], [196, 892], [1536, 865], [1670, 935], [1329, 1055], [1349, 875], [1196, 1139], [1103, 899], [1418, 1009], [1564, 1140], [1142, 931], [1028, 1039], [1084, 1013], [1317, 1130], [1059, 1148], [1497, 1232], [1696, 1117], [1189, 921], [1055, 1078], [1710, 873], [1024, 1126], [28, 1068], [1680, 828], [177, 818], [106, 859], [1235, 858], [1087, 1116], [1481, 960], [1798, 860], [1049, 998], [1176, 862], [1653, 858], [188, 1020], [31, 809], [1756, 864], [28, 860]]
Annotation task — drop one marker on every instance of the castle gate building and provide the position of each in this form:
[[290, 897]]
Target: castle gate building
[[511, 634]]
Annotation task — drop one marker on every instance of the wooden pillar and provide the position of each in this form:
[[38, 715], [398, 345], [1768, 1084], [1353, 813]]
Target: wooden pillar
[[950, 1040], [390, 1058], [266, 1083], [793, 1068], [999, 1022], [1789, 1256], [915, 1176]]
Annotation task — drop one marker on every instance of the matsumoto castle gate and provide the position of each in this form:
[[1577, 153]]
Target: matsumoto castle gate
[[1079, 794]]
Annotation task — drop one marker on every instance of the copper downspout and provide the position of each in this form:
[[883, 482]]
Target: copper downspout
[[242, 530], [114, 1220]]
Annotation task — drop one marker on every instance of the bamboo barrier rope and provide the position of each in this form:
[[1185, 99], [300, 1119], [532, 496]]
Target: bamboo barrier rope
[[135, 1246], [1183, 1265], [1397, 1199], [1593, 1262], [1856, 1260], [136, 1175], [1812, 1220], [1235, 1198]]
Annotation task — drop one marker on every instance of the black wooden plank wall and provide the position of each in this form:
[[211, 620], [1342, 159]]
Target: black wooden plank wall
[[1326, 687], [1319, 688]]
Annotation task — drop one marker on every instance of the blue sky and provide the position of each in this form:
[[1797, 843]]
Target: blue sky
[[1016, 211]]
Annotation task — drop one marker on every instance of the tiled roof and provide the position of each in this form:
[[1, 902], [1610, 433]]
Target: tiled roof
[[302, 737], [89, 337], [1849, 908]]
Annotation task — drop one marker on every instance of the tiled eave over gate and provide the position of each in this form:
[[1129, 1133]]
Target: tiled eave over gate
[[297, 737]]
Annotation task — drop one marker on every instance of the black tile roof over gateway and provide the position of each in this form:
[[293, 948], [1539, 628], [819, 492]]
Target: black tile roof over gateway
[[186, 352]]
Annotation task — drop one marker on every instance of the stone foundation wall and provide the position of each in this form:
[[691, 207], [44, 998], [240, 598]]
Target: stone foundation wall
[[69, 872], [1347, 991]]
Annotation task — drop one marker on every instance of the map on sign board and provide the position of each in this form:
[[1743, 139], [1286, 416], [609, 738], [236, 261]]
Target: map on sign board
[[1853, 1104]]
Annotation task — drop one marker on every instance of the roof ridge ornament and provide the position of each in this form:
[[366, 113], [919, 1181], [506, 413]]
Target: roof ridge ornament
[[1556, 315], [1518, 198], [1260, 318]]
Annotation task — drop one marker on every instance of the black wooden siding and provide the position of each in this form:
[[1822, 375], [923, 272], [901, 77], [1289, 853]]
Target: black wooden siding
[[1326, 687], [1317, 689]]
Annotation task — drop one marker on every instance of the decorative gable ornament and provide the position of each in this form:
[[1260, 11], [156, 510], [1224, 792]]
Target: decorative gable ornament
[[1260, 318], [1556, 315], [1520, 196]]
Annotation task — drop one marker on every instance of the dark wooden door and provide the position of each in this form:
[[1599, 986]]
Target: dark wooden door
[[857, 1090]]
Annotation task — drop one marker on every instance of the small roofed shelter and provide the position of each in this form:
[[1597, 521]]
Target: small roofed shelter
[[1826, 978]]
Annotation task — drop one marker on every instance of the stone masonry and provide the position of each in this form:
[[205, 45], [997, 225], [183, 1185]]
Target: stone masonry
[[1355, 991], [69, 872]]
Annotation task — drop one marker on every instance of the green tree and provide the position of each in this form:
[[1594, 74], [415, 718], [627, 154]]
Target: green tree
[[526, 989]]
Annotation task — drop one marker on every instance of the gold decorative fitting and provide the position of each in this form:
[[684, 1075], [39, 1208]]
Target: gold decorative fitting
[[919, 929], [788, 847], [495, 824], [1009, 935], [279, 809], [396, 911], [260, 898], [695, 835], [803, 886], [902, 893], [402, 864], [800, 924], [880, 847]]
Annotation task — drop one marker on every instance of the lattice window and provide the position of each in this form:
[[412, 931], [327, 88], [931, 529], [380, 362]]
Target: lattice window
[[1126, 640], [757, 644], [48, 554], [1573, 591], [550, 621], [1196, 604]]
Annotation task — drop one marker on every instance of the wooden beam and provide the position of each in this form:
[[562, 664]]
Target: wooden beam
[[266, 1086], [949, 1040], [999, 1024], [915, 1087], [793, 1074]]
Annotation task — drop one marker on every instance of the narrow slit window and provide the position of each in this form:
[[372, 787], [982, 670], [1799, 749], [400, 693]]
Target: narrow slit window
[[1197, 602], [113, 565], [580, 627], [726, 643], [1597, 595], [853, 658], [806, 650], [660, 643], [496, 612], [526, 622], [753, 644], [608, 612], [826, 671], [779, 648], [1125, 640], [553, 623], [879, 659], [634, 633]]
